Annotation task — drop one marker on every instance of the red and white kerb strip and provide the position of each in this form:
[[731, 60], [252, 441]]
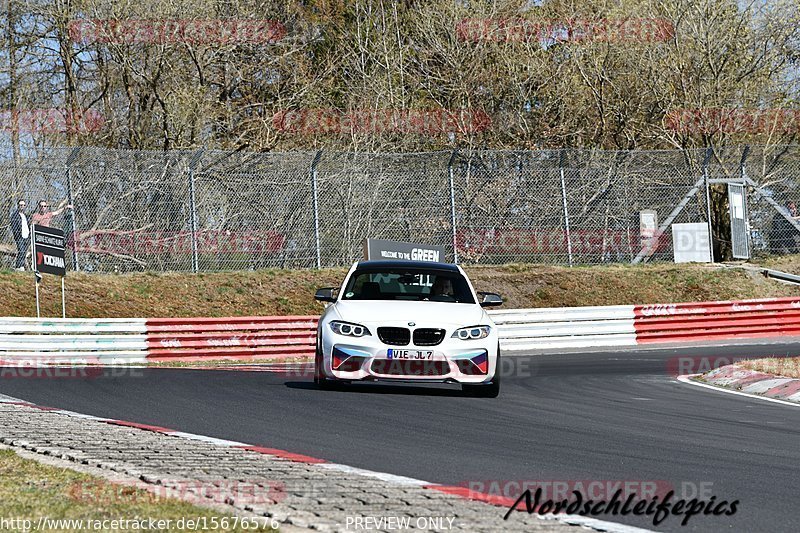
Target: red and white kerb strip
[[751, 382]]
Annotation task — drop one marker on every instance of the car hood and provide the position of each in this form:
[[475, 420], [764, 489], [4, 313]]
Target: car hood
[[370, 312]]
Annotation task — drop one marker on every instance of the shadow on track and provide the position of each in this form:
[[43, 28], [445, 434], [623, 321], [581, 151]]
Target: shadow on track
[[373, 388]]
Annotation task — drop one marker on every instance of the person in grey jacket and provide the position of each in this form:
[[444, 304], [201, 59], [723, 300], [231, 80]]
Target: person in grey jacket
[[20, 229]]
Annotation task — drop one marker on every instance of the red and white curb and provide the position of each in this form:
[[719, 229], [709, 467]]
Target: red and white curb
[[462, 492], [734, 379]]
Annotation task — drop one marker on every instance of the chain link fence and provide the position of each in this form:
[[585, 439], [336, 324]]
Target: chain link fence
[[213, 210]]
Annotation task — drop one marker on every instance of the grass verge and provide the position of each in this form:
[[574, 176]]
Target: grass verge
[[285, 292], [30, 490], [788, 367]]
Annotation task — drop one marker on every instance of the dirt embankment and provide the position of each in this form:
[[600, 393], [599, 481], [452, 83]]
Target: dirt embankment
[[281, 292]]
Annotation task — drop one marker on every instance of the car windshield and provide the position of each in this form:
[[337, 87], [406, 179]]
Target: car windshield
[[408, 284]]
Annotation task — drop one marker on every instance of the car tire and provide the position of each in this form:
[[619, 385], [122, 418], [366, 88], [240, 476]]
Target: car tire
[[486, 390]]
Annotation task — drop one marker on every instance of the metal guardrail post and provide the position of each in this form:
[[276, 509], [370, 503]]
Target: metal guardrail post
[[315, 201], [454, 230]]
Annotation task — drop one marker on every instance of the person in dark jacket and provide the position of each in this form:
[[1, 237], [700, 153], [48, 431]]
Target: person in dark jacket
[[20, 229]]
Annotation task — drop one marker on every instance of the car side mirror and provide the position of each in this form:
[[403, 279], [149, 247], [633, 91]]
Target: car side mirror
[[490, 299], [325, 295]]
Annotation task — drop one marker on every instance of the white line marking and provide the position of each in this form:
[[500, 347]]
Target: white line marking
[[9, 399], [203, 438], [81, 415], [687, 379], [391, 478]]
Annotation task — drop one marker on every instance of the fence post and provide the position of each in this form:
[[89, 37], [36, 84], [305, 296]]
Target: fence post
[[454, 230], [566, 209], [193, 220], [74, 219], [709, 153], [742, 161], [316, 206], [193, 209]]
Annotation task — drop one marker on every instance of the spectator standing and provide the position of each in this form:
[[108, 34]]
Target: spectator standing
[[43, 216], [20, 229]]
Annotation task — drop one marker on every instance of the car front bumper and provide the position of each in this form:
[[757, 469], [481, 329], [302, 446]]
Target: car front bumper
[[369, 359]]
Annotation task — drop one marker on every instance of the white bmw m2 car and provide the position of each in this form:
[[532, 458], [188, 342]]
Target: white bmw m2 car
[[408, 321]]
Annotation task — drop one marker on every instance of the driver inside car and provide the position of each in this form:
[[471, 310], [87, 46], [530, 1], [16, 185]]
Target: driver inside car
[[442, 290]]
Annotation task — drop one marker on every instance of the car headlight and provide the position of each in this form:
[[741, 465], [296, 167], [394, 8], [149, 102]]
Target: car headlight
[[472, 333], [348, 329]]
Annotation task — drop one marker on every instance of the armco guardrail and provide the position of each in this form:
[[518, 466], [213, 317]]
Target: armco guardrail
[[131, 340], [717, 320], [233, 337], [625, 325], [186, 339], [565, 327], [72, 339]]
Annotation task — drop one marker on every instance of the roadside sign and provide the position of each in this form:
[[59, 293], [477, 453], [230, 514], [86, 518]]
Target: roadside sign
[[375, 249], [48, 250], [690, 243], [48, 258], [648, 225]]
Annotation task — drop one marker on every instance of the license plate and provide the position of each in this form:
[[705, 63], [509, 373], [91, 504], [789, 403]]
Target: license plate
[[423, 355]]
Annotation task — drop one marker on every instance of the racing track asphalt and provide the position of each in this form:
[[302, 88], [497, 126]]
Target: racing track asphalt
[[616, 415]]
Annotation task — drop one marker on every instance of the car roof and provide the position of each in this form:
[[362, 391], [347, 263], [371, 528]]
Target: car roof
[[424, 265]]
